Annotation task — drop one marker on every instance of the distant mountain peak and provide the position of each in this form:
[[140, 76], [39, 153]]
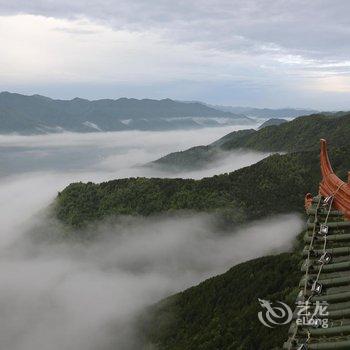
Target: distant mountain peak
[[79, 99]]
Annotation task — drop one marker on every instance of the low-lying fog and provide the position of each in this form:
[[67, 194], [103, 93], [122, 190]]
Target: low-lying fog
[[77, 296], [114, 154]]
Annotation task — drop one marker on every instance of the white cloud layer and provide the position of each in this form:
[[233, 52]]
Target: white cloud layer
[[75, 296], [114, 154]]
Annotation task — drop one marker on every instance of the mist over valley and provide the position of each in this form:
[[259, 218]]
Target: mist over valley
[[77, 295]]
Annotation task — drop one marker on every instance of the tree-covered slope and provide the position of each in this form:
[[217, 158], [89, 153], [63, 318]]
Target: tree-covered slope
[[221, 313], [276, 184], [200, 156], [193, 158], [273, 121], [299, 134]]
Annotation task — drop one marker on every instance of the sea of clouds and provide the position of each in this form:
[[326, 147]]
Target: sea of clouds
[[84, 296]]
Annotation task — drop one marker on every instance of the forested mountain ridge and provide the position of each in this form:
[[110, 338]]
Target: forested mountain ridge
[[273, 121], [39, 114], [198, 156], [221, 312], [267, 112], [239, 196], [300, 134]]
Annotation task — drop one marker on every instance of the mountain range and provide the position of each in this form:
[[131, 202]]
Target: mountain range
[[38, 114]]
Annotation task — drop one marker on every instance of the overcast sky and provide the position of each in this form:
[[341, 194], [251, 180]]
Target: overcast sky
[[266, 53]]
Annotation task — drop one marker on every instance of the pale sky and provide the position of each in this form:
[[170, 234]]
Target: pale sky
[[264, 53]]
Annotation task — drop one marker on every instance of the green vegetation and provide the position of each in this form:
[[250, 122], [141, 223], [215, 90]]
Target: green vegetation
[[273, 121], [200, 156], [193, 158], [221, 313], [298, 135], [276, 184]]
